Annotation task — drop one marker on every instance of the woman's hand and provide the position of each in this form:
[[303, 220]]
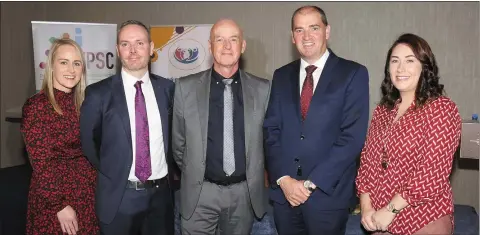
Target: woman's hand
[[383, 218], [68, 220], [367, 221]]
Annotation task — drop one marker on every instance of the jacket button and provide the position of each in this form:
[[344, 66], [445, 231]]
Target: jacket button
[[302, 137]]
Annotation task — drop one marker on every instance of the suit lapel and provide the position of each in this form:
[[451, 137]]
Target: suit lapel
[[118, 92], [161, 95], [203, 96], [295, 85], [248, 92], [326, 76]]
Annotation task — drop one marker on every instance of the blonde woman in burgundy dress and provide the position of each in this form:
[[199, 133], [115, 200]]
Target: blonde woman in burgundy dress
[[61, 195]]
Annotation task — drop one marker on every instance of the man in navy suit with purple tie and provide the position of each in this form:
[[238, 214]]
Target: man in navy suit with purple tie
[[125, 133], [314, 130]]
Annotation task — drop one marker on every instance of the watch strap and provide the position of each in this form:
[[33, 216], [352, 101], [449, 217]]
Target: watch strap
[[392, 209]]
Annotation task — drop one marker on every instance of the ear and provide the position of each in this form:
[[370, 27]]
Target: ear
[[210, 46], [151, 48], [327, 32], [244, 45], [118, 53], [293, 38]]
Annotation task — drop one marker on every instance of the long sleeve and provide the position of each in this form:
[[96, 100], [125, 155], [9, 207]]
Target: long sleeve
[[272, 128], [365, 177], [45, 163], [90, 126], [178, 126], [431, 175]]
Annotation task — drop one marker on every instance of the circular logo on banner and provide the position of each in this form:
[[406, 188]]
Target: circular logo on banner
[[186, 54]]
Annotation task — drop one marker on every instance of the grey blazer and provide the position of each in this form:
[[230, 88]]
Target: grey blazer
[[189, 136]]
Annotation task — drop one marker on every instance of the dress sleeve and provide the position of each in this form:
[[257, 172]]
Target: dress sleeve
[[46, 166], [431, 175], [365, 177]]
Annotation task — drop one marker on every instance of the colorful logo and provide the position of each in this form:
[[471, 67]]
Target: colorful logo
[[78, 39], [186, 55]]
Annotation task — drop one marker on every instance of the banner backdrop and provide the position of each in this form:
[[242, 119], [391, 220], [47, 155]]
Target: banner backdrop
[[180, 50], [97, 41]]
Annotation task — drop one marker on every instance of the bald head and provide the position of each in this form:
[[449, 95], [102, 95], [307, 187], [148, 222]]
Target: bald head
[[226, 45], [225, 23]]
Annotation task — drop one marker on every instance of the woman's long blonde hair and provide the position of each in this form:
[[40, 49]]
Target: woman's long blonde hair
[[47, 85]]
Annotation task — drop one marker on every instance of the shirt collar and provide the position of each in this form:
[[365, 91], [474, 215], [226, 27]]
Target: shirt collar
[[320, 63], [130, 80], [217, 77]]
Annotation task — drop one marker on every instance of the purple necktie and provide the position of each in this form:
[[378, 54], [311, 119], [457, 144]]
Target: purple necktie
[[143, 168]]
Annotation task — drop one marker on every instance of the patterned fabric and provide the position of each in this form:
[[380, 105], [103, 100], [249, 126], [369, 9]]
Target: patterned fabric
[[143, 167], [228, 141], [61, 174], [419, 150], [307, 90]]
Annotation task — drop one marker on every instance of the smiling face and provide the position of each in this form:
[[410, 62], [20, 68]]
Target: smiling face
[[405, 69], [134, 49], [226, 43], [67, 68], [310, 34]]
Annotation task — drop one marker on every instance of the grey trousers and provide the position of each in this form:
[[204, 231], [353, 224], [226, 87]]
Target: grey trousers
[[221, 210]]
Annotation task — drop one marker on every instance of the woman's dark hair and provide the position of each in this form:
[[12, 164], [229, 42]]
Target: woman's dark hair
[[428, 87]]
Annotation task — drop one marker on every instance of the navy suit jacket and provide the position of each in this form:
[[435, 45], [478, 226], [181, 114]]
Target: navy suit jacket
[[106, 137], [327, 144]]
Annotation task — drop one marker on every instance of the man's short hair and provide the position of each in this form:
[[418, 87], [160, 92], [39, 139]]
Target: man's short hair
[[133, 22], [315, 8]]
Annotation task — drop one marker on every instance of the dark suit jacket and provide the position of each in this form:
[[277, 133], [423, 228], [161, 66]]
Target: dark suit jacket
[[106, 137], [327, 144]]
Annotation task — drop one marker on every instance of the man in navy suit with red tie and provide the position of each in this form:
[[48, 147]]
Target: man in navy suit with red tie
[[314, 130]]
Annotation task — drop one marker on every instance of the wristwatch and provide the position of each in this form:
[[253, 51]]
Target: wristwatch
[[308, 185], [391, 208]]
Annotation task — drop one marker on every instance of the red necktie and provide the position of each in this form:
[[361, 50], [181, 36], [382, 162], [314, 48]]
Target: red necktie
[[307, 91]]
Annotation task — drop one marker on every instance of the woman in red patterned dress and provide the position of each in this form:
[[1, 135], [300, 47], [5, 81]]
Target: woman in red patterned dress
[[403, 179], [61, 196]]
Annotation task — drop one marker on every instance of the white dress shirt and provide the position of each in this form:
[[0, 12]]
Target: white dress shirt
[[316, 74], [157, 150]]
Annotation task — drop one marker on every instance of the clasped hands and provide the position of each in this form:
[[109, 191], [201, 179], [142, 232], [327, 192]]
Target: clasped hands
[[294, 191], [377, 220]]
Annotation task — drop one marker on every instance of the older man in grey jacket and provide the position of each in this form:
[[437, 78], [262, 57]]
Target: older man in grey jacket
[[218, 140]]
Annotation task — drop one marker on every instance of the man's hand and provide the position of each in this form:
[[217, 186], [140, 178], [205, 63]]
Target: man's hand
[[367, 221], [383, 218], [294, 191], [68, 220]]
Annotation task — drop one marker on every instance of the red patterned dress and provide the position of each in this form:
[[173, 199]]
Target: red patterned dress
[[61, 174], [419, 151]]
